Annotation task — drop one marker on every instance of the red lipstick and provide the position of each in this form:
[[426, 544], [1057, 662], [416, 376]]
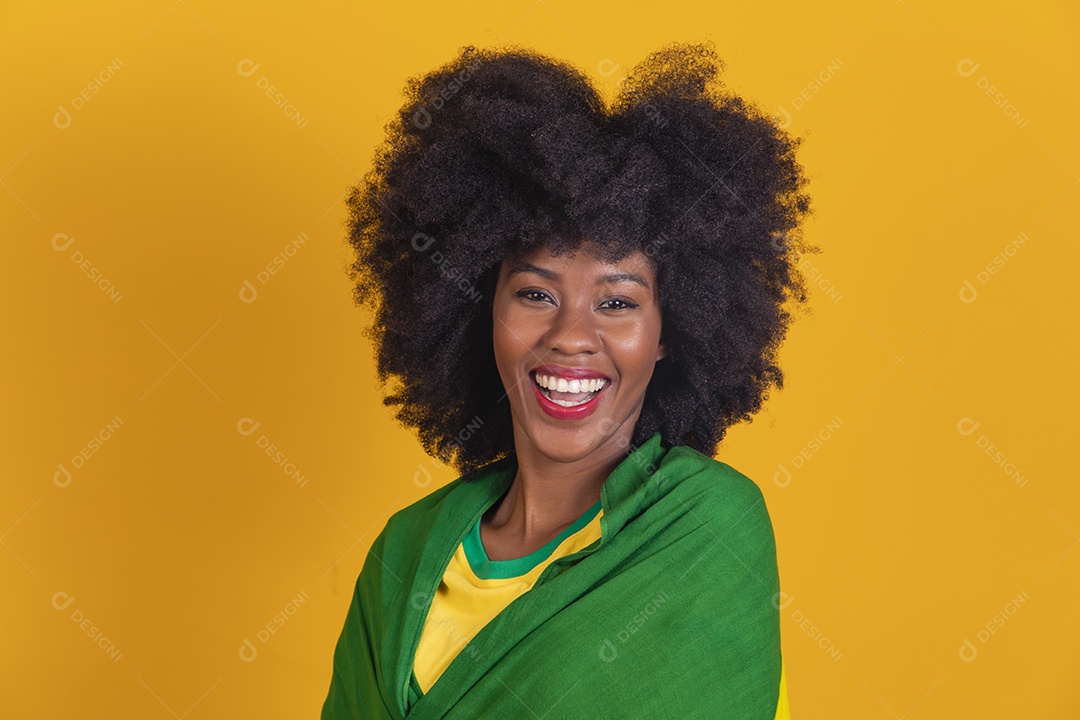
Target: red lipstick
[[559, 412]]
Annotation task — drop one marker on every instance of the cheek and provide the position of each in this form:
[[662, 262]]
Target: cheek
[[509, 338], [515, 329], [498, 324], [504, 361], [641, 338], [499, 341], [634, 350]]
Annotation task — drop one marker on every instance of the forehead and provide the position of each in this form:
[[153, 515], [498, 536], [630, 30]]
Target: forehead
[[635, 270], [585, 257]]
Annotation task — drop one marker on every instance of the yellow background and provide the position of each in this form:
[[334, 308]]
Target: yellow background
[[900, 537]]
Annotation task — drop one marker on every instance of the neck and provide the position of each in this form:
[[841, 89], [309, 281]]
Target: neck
[[548, 494]]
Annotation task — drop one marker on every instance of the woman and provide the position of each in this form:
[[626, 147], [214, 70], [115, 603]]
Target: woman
[[577, 302]]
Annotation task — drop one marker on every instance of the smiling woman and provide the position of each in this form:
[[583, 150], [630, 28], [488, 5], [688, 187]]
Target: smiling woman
[[604, 289]]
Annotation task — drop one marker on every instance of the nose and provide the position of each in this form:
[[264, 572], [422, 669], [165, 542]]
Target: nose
[[572, 330]]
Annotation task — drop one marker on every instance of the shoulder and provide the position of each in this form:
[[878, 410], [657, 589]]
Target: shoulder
[[420, 514], [731, 510], [714, 489], [713, 479]]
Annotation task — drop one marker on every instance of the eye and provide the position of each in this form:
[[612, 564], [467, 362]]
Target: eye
[[625, 303], [527, 293], [541, 296]]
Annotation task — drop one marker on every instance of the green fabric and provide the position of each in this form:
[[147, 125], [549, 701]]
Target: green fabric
[[671, 614]]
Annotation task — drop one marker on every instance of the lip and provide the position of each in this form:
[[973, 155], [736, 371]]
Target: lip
[[567, 413], [569, 373]]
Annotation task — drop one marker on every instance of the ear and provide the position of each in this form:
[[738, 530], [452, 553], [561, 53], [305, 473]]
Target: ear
[[663, 349]]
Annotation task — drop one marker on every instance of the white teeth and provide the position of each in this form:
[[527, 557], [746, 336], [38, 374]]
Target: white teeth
[[551, 382]]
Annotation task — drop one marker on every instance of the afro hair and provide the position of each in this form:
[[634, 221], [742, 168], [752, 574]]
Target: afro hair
[[501, 151]]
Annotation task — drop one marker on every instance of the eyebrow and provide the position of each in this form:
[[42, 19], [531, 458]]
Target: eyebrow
[[525, 267]]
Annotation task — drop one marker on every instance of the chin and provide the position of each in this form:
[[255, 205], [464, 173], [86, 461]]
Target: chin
[[568, 444]]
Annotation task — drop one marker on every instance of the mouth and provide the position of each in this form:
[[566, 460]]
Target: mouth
[[568, 393]]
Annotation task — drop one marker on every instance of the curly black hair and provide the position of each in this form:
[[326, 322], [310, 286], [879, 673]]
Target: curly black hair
[[500, 151]]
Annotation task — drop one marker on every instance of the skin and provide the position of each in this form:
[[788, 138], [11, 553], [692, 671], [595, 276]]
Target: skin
[[565, 317]]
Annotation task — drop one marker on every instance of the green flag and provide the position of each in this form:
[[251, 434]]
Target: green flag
[[671, 614]]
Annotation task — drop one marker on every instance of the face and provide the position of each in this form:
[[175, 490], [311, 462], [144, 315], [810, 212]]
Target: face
[[591, 333]]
